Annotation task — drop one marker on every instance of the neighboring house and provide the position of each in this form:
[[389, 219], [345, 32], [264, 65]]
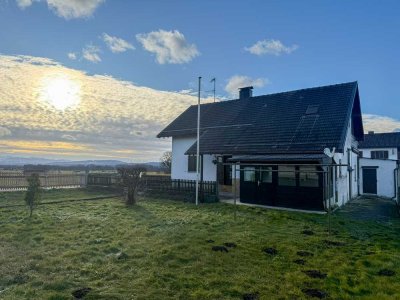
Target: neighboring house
[[379, 160], [281, 137]]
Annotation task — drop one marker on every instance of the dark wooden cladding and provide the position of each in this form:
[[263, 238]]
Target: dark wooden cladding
[[271, 193]]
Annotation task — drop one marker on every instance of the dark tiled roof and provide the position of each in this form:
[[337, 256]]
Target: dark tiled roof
[[301, 121], [381, 140], [278, 157]]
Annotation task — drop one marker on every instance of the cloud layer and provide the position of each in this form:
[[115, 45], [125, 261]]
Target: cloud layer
[[67, 9], [114, 118], [91, 53], [380, 123], [170, 47], [238, 81], [115, 44], [272, 47]]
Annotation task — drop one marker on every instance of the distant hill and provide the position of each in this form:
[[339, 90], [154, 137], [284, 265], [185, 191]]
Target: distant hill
[[21, 161]]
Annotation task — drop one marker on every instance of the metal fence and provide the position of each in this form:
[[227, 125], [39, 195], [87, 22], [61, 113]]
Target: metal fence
[[165, 184]]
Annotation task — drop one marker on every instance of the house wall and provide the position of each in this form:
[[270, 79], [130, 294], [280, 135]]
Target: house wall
[[344, 178], [179, 166], [393, 153], [385, 175]]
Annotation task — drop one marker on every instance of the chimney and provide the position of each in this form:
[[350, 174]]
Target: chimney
[[371, 132], [246, 92]]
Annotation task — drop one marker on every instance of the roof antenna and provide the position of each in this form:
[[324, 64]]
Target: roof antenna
[[213, 80]]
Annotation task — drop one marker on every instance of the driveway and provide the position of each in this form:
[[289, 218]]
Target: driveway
[[370, 208]]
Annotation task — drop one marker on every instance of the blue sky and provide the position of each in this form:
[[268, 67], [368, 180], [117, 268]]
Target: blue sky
[[301, 44]]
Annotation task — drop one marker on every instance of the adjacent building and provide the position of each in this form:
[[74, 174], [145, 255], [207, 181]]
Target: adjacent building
[[379, 158]]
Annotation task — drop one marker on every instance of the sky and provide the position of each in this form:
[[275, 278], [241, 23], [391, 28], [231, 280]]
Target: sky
[[98, 79]]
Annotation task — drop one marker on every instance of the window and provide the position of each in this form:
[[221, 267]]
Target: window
[[308, 176], [249, 174], [380, 154], [192, 163], [266, 174], [286, 176]]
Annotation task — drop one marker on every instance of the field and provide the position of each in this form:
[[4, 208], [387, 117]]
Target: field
[[162, 249]]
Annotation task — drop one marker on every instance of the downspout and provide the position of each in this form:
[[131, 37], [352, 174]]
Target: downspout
[[358, 174], [395, 181], [349, 172]]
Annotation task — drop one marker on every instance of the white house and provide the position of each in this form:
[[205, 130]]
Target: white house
[[276, 142], [379, 154]]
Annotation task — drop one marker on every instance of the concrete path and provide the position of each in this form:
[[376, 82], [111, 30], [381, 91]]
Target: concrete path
[[370, 208]]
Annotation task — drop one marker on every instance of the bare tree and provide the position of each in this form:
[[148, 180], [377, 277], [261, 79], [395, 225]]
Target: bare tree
[[33, 194], [166, 160], [131, 180]]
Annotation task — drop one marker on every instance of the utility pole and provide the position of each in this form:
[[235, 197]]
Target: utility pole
[[198, 145]]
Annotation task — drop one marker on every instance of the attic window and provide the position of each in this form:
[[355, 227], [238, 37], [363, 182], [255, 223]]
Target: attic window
[[312, 109]]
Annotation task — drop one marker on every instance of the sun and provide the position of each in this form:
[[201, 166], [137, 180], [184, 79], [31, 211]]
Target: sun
[[61, 91]]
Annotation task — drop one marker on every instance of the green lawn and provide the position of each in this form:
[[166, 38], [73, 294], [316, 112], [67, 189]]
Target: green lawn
[[159, 250], [17, 198]]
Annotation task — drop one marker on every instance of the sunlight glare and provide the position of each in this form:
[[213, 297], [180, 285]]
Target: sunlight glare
[[61, 91]]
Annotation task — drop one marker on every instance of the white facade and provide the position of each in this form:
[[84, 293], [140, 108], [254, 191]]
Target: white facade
[[346, 185], [179, 166], [391, 151], [384, 174]]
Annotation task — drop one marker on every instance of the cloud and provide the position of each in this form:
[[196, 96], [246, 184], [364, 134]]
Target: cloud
[[169, 46], [72, 55], [273, 47], [4, 131], [379, 123], [91, 53], [24, 3], [67, 9], [113, 119], [116, 44], [237, 81]]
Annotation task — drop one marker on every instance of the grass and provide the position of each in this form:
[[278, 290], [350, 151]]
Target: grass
[[17, 198], [159, 250]]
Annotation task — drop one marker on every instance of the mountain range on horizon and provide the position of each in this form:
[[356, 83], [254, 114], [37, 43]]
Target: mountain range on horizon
[[20, 161]]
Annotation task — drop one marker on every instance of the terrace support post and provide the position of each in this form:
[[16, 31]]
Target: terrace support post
[[234, 194], [329, 200], [201, 179]]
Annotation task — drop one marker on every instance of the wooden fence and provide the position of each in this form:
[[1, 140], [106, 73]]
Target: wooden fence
[[16, 181], [102, 179], [152, 184]]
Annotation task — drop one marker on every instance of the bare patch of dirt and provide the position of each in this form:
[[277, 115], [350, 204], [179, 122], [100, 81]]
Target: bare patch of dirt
[[299, 261], [304, 253], [334, 243], [270, 251], [386, 272], [315, 293], [80, 293], [251, 296], [315, 274], [230, 245], [219, 248], [307, 232]]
